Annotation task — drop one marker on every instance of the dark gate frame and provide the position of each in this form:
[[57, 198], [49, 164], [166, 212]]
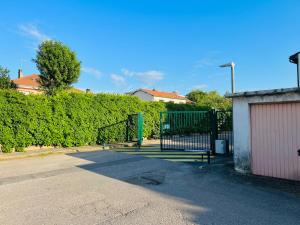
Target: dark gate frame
[[195, 130], [135, 128], [128, 130], [224, 128], [185, 130]]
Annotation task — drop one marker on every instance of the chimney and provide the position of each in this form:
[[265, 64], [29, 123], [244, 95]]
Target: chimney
[[20, 73]]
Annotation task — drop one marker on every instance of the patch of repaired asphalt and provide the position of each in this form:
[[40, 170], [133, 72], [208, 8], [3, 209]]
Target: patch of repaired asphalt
[[148, 178]]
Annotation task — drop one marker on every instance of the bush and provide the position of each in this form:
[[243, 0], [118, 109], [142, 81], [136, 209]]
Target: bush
[[185, 107], [74, 119], [68, 119], [209, 100], [19, 149]]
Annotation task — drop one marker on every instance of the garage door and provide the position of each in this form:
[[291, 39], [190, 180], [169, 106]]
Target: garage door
[[275, 139]]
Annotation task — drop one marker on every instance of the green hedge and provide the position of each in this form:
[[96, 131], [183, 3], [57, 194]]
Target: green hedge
[[68, 119], [185, 107]]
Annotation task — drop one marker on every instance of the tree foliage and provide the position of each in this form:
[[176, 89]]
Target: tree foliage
[[5, 82], [209, 100], [69, 119], [58, 66], [74, 119]]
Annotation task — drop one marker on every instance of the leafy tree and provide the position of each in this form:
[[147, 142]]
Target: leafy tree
[[58, 66], [5, 82], [209, 100]]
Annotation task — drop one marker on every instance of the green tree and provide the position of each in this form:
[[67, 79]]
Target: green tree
[[58, 66], [5, 82], [209, 100]]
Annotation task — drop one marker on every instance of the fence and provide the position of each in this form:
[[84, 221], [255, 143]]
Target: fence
[[129, 130], [225, 129], [195, 130], [185, 130]]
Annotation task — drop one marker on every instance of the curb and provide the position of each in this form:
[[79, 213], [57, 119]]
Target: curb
[[43, 153]]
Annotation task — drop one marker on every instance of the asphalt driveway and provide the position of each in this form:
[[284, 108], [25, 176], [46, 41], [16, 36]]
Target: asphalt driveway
[[108, 187]]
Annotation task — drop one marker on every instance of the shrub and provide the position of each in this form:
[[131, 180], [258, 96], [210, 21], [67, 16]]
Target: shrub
[[68, 119], [185, 107], [74, 119], [19, 149], [209, 100]]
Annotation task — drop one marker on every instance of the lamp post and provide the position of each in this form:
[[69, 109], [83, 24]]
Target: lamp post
[[295, 59], [231, 65]]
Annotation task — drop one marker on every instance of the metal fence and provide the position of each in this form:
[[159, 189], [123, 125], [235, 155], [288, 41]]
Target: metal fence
[[129, 130], [185, 130], [195, 130], [225, 129]]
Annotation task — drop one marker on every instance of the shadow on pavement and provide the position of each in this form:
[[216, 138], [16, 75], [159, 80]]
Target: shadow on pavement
[[228, 198]]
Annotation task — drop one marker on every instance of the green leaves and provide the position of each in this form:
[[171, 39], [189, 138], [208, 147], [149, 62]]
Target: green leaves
[[73, 119], [5, 82], [58, 66], [209, 100], [69, 119]]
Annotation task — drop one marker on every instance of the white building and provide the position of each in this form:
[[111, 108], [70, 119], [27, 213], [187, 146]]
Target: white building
[[159, 96]]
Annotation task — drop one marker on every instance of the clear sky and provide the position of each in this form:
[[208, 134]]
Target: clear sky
[[168, 45]]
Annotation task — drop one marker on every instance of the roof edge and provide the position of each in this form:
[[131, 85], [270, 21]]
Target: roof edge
[[264, 92], [182, 97], [26, 76]]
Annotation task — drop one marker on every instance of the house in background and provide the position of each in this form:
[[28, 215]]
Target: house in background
[[28, 84], [159, 96]]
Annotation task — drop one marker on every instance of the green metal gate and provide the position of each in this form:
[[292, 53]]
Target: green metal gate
[[128, 130], [134, 128], [195, 130], [185, 130]]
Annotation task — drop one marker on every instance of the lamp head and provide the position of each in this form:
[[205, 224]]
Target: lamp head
[[294, 58], [231, 64]]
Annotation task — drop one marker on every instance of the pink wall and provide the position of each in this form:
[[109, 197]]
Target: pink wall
[[275, 139]]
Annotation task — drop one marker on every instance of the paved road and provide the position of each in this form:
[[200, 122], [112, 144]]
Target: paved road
[[115, 188]]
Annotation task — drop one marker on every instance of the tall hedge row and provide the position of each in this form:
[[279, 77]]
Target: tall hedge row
[[67, 119]]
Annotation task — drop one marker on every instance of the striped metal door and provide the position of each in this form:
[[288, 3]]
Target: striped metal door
[[275, 139]]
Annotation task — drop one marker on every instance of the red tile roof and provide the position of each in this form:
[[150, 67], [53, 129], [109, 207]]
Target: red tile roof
[[172, 95], [31, 80]]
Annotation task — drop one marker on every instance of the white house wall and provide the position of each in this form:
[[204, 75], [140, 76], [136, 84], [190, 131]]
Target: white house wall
[[144, 96], [147, 97], [177, 101], [241, 125]]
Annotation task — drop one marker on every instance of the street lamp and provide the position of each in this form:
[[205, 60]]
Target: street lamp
[[295, 59], [231, 65]]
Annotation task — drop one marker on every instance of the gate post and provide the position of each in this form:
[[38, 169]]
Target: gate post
[[127, 128], [140, 121], [161, 130], [214, 130]]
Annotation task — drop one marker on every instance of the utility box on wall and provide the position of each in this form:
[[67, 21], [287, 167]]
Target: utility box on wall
[[220, 146]]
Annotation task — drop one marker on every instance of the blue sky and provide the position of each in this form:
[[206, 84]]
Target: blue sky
[[167, 45]]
